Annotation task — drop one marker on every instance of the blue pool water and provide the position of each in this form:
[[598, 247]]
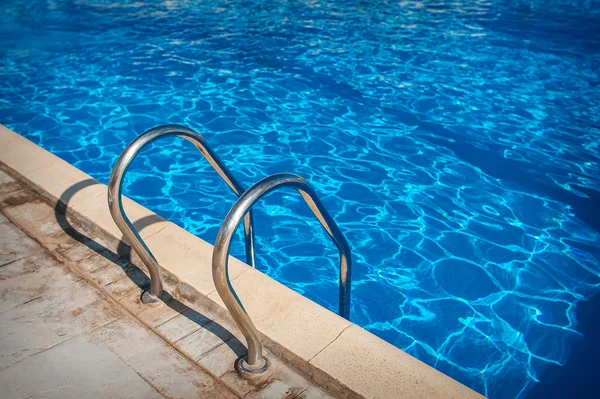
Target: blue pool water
[[456, 144]]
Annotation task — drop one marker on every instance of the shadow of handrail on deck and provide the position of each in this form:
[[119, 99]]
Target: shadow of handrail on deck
[[122, 258]]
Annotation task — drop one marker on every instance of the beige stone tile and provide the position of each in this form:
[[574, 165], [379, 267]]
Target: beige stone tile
[[173, 375], [376, 369], [288, 317], [107, 275], [119, 278], [228, 324], [94, 263], [133, 302], [16, 197], [313, 392], [81, 251], [94, 237], [80, 367], [26, 329], [279, 381], [60, 179], [158, 313], [203, 340], [276, 389], [182, 325], [9, 190], [89, 199], [234, 347], [28, 278], [188, 257], [7, 136], [146, 222], [14, 243], [27, 214], [5, 179], [38, 219], [220, 360], [282, 384], [240, 385], [22, 155], [152, 314], [135, 281]]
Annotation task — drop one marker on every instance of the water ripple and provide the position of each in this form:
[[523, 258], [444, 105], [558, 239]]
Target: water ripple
[[456, 144]]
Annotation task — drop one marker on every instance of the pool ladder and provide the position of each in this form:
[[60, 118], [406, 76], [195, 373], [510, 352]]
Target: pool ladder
[[254, 362]]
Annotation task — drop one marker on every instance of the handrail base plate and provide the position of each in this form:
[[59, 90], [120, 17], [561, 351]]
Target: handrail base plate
[[150, 299], [242, 366]]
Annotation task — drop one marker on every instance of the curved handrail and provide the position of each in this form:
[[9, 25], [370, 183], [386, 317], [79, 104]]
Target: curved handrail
[[115, 200], [255, 363]]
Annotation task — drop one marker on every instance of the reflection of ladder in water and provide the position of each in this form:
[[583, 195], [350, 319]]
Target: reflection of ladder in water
[[254, 363]]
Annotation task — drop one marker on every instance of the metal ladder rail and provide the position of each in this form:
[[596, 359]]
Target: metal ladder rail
[[115, 200], [255, 363]]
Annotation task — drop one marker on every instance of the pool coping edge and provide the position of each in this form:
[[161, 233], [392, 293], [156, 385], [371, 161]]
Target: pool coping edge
[[336, 354]]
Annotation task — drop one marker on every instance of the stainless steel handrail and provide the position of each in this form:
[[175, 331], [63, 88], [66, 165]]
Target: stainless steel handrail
[[255, 363], [115, 200]]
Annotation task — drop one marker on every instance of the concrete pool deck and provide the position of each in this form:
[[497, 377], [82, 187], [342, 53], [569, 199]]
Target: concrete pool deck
[[61, 337], [314, 352]]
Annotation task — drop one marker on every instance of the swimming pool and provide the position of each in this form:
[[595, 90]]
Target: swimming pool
[[456, 145]]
